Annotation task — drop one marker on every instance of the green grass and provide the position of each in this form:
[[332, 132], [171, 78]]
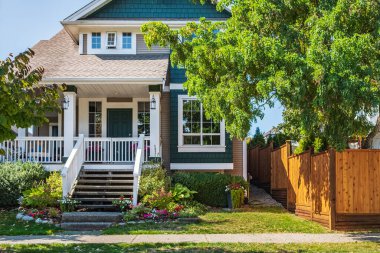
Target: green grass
[[10, 226], [363, 247], [258, 220]]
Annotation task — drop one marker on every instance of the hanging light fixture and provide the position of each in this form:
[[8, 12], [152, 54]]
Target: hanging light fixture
[[65, 103], [153, 103]]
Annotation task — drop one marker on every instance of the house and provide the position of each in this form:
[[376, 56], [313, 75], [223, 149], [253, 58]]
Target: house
[[124, 103]]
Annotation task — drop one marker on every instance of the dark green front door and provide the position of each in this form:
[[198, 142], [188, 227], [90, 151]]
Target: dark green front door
[[119, 123]]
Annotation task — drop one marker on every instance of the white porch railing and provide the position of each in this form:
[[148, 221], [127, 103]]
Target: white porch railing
[[33, 149], [140, 152], [113, 150], [72, 167]]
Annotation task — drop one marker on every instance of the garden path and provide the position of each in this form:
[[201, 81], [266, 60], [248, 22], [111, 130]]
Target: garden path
[[260, 198]]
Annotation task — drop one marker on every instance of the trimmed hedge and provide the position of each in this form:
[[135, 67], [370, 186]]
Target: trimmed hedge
[[210, 187], [16, 178]]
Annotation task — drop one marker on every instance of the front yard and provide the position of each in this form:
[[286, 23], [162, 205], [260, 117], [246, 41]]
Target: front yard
[[256, 220], [364, 247]]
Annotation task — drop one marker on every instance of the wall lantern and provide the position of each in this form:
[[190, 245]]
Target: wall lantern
[[153, 103], [65, 103]]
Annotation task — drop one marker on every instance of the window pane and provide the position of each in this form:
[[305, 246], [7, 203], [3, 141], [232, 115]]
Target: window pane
[[96, 40], [98, 118], [195, 117], [91, 130], [98, 106], [127, 40], [216, 128], [187, 128], [195, 128], [196, 105], [186, 117], [196, 140], [98, 129], [187, 140], [91, 118], [207, 140], [216, 140], [92, 107], [206, 128], [186, 105], [147, 130]]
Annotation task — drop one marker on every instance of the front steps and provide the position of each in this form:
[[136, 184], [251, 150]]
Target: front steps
[[89, 221], [96, 188]]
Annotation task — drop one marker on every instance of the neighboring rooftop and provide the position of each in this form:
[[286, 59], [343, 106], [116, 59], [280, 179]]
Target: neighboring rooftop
[[61, 59]]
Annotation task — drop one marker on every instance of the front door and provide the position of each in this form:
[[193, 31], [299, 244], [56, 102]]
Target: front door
[[119, 123]]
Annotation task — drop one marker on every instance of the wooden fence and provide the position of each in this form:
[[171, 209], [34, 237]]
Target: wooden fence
[[260, 166], [340, 190]]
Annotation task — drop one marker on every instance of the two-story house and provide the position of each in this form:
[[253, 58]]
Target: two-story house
[[119, 90]]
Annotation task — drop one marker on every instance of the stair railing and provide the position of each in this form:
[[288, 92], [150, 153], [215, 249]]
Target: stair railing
[[138, 168], [72, 167]]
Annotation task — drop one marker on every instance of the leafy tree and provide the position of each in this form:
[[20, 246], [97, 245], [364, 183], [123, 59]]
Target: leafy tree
[[23, 102], [319, 59], [257, 139]]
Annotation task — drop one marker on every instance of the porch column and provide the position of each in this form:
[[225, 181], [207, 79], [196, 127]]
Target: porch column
[[69, 115], [155, 125]]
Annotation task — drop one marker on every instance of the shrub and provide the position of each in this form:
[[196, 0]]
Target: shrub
[[158, 199], [182, 193], [46, 194], [153, 180], [210, 187], [192, 209], [68, 204], [16, 178]]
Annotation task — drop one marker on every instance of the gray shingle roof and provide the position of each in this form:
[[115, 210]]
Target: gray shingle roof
[[61, 59]]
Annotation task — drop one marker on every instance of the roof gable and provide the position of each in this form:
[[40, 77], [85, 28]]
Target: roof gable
[[152, 10]]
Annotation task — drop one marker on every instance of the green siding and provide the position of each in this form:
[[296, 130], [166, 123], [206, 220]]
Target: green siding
[[157, 9], [177, 75], [175, 156]]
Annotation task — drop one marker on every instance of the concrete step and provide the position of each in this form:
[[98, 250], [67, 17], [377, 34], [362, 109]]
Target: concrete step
[[86, 226], [96, 199], [94, 193], [97, 207], [104, 187], [92, 217], [104, 181]]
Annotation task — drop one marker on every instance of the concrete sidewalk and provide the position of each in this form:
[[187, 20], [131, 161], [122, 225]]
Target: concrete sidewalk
[[193, 238]]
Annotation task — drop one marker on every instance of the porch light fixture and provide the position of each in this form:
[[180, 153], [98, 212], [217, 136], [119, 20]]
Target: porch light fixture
[[65, 103], [153, 103]]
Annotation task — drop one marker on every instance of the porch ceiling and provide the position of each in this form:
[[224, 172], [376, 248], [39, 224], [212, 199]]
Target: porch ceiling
[[113, 90]]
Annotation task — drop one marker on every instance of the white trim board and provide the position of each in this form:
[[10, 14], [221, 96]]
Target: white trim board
[[176, 86], [201, 166]]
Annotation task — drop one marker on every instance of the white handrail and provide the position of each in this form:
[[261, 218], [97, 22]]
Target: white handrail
[[137, 168], [72, 167]]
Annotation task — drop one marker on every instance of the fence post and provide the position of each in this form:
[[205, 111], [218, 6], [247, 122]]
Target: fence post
[[288, 153], [332, 186]]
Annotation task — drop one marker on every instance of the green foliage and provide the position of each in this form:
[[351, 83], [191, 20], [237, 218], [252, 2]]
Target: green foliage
[[319, 59], [181, 193], [237, 197], [193, 209], [278, 139], [46, 194], [210, 187], [16, 178], [153, 180], [23, 102], [257, 139], [158, 199]]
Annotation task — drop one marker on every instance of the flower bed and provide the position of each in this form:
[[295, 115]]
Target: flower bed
[[44, 216]]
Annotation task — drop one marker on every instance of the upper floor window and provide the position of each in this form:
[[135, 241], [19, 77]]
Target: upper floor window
[[96, 40], [111, 39], [127, 40]]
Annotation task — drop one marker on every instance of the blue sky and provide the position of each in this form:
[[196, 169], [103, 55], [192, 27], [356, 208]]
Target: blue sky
[[24, 22]]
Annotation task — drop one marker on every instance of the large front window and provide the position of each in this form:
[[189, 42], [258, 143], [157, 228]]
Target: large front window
[[95, 119], [144, 118], [195, 129]]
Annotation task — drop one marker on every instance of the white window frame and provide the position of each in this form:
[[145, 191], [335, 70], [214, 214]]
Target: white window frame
[[100, 43], [122, 40], [114, 45], [197, 148]]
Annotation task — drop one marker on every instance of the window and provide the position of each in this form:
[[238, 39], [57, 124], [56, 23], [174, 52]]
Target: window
[[95, 119], [111, 40], [96, 41], [143, 116], [196, 130], [127, 40]]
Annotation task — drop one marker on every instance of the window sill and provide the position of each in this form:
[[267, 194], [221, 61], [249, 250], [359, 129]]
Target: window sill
[[208, 149]]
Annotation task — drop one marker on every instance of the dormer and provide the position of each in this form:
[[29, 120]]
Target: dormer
[[113, 26]]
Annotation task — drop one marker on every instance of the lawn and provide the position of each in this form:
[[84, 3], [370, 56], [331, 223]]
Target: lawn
[[10, 226], [365, 247], [257, 220]]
